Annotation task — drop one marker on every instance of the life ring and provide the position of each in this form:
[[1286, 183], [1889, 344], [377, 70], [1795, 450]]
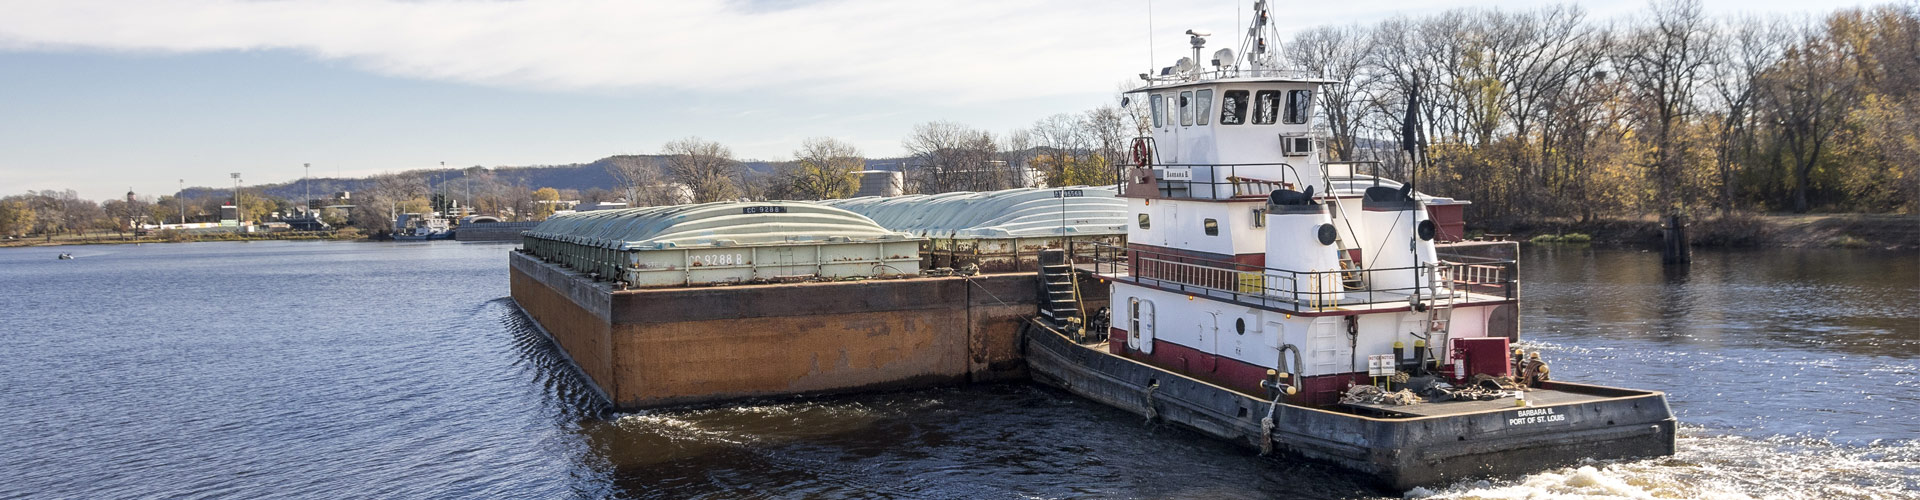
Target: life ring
[[1142, 153]]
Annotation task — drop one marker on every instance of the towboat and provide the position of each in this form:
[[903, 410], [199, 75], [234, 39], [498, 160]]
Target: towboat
[[1303, 307]]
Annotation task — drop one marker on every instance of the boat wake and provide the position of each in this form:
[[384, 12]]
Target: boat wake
[[1721, 466]]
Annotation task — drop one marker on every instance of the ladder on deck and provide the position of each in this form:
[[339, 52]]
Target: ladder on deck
[[1440, 305], [1349, 270], [1248, 186], [1060, 296]]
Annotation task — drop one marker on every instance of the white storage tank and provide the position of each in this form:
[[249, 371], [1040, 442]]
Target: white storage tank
[[1303, 265]]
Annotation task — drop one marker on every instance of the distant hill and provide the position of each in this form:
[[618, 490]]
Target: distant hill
[[579, 176]]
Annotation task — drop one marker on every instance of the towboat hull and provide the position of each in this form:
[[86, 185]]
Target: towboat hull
[[1401, 452]]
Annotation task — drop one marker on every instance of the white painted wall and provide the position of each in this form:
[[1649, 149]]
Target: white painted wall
[[1209, 326], [1182, 224]]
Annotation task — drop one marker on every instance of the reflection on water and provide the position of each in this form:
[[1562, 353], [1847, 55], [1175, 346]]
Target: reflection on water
[[328, 370]]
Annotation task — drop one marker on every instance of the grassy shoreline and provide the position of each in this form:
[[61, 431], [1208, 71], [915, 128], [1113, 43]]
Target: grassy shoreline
[[124, 239], [1875, 231]]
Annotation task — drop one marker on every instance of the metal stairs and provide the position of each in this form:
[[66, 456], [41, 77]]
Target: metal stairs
[[1060, 296]]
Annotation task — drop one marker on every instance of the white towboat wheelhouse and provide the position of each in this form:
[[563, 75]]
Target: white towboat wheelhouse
[[1247, 251]]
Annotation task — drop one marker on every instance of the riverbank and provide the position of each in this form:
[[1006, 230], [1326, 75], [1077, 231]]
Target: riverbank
[[166, 237], [1876, 231]]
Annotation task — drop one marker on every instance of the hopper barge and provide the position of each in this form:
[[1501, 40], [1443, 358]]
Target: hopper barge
[[1267, 296]]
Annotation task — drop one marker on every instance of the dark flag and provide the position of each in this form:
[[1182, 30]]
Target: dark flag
[[1411, 123]]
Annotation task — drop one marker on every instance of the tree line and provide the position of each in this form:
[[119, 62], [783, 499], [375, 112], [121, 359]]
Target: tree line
[[1546, 113], [1530, 113]]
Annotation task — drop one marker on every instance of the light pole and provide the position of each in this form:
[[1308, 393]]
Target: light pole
[[180, 198], [236, 197], [306, 189]]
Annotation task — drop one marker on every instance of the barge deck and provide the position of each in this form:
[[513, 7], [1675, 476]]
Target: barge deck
[[1403, 447]]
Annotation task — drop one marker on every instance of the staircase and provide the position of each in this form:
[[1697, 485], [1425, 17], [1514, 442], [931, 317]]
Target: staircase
[[1060, 298], [1349, 270]]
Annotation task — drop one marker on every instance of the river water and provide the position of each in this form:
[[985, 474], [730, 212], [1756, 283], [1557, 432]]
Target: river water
[[351, 370]]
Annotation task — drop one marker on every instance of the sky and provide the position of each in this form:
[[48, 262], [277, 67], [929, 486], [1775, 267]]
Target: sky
[[102, 96]]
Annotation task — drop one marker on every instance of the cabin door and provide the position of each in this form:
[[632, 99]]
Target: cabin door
[[1167, 139], [1140, 325], [1328, 350]]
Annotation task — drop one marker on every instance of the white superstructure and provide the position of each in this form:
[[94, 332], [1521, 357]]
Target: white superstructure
[[1246, 250]]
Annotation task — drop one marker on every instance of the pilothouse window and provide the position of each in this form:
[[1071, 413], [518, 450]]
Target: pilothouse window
[[1205, 105], [1266, 107], [1153, 102], [1186, 108], [1299, 105], [1233, 107]]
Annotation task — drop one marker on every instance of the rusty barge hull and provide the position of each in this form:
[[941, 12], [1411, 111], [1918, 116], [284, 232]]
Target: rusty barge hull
[[1400, 453]]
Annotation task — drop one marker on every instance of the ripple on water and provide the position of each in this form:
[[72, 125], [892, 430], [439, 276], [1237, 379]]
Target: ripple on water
[[334, 370], [1713, 465]]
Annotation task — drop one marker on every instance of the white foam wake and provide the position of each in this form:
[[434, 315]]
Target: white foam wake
[[1718, 466]]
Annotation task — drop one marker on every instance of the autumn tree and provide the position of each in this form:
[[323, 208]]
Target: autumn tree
[[545, 201], [16, 215], [823, 168]]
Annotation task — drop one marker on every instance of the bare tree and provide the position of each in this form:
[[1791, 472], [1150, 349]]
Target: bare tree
[[1110, 133], [1751, 46], [1341, 54], [643, 182], [1064, 144], [949, 156], [705, 167], [391, 194], [1810, 93], [1665, 62], [1017, 153]]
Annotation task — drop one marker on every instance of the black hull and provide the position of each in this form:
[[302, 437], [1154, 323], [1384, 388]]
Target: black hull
[[1401, 453]]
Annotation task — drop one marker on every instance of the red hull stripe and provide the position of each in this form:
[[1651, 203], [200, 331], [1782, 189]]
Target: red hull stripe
[[1228, 372]]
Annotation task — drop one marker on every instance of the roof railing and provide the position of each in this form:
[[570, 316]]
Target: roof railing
[[1210, 181], [1199, 75]]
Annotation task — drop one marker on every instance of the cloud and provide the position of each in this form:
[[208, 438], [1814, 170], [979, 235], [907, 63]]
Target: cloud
[[961, 50]]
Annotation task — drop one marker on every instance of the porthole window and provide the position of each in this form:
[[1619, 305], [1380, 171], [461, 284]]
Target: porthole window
[[1212, 227], [1240, 325], [1143, 221]]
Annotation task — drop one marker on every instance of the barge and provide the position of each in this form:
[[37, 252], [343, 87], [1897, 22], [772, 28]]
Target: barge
[[1267, 296]]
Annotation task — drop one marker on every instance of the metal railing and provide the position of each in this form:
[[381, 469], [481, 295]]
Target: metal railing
[[1201, 75], [1206, 181], [1474, 280]]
